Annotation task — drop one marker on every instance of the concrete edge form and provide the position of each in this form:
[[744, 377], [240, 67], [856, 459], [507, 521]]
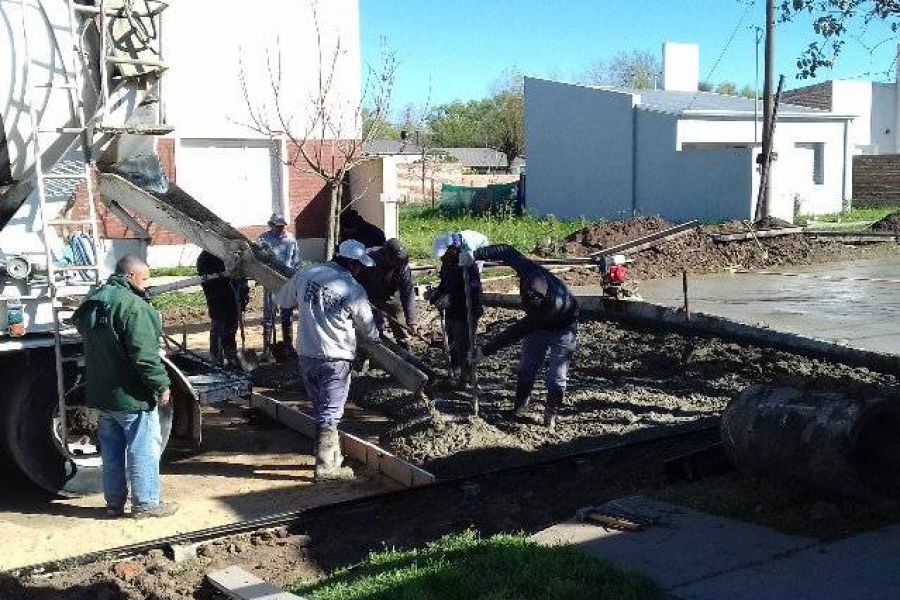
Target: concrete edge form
[[375, 458], [655, 314], [238, 584]]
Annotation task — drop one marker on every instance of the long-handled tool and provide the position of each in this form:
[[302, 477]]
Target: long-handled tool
[[471, 367], [401, 325], [445, 340], [248, 358]]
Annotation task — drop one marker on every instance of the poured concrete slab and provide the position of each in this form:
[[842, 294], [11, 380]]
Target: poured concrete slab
[[681, 547], [839, 303], [863, 567]]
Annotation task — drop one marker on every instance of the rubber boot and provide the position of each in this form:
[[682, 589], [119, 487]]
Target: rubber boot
[[523, 400], [287, 336], [555, 399], [328, 456]]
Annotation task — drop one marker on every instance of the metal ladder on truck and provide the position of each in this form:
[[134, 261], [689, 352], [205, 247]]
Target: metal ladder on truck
[[60, 277]]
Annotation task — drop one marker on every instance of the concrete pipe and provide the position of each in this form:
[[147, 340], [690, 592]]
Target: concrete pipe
[[829, 440]]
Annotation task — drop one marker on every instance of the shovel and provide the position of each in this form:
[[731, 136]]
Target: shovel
[[248, 358]]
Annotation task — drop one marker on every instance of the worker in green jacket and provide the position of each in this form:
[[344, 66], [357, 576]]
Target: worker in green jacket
[[127, 382]]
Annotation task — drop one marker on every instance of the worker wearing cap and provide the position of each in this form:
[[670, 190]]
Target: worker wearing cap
[[449, 296], [333, 310], [283, 246], [355, 227], [550, 324], [391, 289]]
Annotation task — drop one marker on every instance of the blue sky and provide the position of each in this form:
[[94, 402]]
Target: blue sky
[[459, 47]]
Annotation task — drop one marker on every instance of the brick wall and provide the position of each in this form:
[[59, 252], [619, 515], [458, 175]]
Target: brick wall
[[814, 96], [876, 180], [308, 199], [309, 195]]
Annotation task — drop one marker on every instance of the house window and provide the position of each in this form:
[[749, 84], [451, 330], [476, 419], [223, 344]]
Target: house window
[[816, 152]]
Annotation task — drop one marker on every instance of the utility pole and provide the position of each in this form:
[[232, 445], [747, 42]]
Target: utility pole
[[768, 108], [758, 34]]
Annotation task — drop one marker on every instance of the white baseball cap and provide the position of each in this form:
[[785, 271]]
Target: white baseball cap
[[355, 251]]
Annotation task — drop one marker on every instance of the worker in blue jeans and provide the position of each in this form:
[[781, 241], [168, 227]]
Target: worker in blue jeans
[[127, 382], [550, 327], [285, 251]]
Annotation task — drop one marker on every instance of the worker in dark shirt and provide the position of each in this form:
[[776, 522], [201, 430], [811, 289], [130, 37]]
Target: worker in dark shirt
[[550, 324], [449, 297], [391, 290], [226, 298], [354, 227]]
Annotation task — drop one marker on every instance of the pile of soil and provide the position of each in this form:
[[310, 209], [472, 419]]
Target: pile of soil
[[625, 381], [889, 223], [697, 252]]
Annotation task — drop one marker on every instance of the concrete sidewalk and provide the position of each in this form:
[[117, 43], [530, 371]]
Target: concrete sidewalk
[[696, 556]]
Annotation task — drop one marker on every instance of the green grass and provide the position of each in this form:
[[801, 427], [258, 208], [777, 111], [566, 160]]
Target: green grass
[[467, 567], [420, 225], [173, 272], [860, 214], [177, 300]]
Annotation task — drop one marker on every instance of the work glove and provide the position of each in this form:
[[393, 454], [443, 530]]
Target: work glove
[[441, 302]]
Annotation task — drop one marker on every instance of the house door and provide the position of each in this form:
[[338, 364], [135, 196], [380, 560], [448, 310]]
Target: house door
[[239, 180]]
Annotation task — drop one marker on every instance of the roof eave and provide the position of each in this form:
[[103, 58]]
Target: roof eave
[[742, 115]]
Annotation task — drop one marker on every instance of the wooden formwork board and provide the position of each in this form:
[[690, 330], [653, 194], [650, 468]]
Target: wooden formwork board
[[675, 318], [375, 458]]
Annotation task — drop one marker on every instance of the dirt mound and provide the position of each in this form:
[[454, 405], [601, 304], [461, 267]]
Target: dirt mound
[[697, 252], [888, 223], [772, 223]]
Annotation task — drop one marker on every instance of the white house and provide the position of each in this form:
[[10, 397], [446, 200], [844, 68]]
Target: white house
[[222, 55], [875, 130], [677, 152]]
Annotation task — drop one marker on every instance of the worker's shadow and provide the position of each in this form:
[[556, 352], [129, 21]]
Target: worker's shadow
[[11, 587], [267, 472]]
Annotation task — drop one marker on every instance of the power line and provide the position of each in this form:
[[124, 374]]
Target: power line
[[750, 5]]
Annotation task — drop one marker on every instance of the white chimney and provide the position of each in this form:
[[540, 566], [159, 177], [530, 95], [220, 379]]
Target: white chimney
[[681, 67]]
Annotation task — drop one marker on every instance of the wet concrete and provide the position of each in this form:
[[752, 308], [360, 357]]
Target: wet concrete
[[818, 302]]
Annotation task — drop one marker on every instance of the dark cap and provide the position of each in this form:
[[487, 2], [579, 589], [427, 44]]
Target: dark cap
[[396, 252]]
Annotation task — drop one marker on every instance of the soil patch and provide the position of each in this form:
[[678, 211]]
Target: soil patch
[[889, 223], [698, 253]]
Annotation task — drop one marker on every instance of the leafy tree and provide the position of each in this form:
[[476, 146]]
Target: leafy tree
[[704, 86], [636, 69], [727, 87], [497, 121], [831, 21], [376, 127], [748, 92]]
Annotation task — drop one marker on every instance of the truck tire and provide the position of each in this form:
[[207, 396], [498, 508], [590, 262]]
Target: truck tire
[[33, 444]]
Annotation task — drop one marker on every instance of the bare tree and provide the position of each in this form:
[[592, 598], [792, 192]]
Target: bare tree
[[636, 69], [321, 145]]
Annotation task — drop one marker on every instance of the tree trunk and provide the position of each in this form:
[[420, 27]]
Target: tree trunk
[[334, 211]]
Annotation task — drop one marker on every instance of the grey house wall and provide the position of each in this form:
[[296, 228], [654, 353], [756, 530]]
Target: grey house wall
[[580, 150], [680, 185]]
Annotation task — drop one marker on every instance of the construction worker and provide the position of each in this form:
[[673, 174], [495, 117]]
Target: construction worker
[[391, 289], [333, 310], [354, 227], [226, 299], [283, 246], [128, 384], [449, 297], [550, 323]]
